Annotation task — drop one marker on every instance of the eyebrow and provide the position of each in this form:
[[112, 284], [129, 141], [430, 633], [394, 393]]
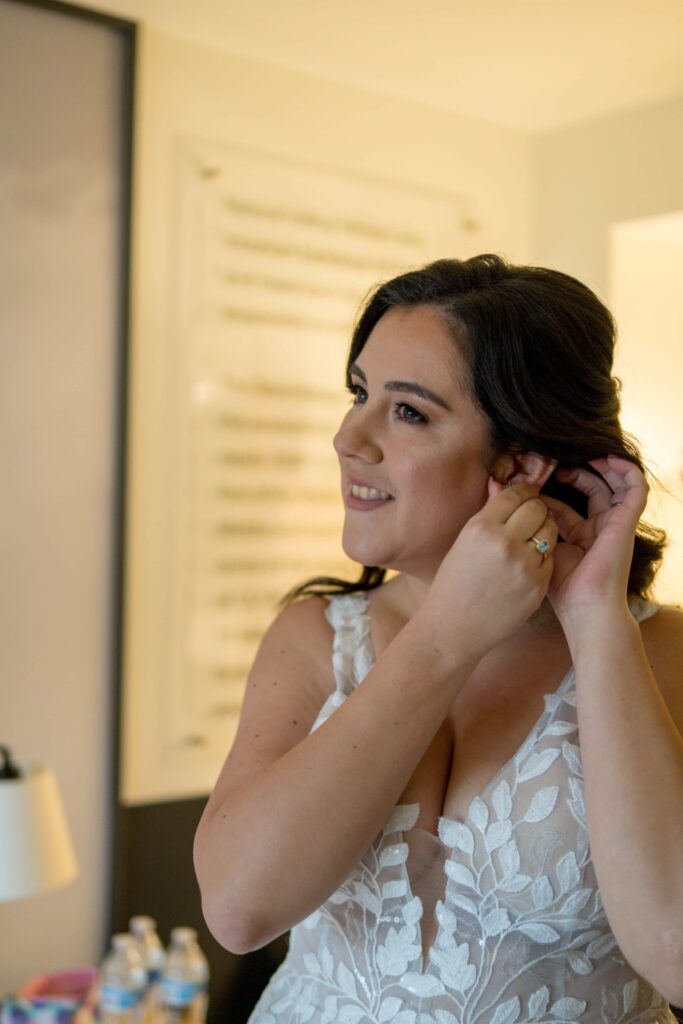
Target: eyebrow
[[409, 387]]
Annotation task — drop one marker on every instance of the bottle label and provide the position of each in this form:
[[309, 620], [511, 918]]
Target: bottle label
[[178, 993], [113, 998]]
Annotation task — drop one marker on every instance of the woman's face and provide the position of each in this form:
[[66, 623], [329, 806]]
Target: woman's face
[[413, 432]]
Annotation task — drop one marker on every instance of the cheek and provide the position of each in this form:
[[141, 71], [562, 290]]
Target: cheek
[[448, 486], [430, 472]]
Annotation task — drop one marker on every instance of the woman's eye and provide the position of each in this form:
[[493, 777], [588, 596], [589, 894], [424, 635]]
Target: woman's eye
[[404, 412], [355, 390], [409, 413]]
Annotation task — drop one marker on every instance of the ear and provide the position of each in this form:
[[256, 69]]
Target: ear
[[523, 468]]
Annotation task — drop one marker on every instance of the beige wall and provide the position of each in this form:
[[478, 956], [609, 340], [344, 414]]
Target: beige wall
[[595, 187], [592, 175], [549, 199], [187, 89], [60, 208]]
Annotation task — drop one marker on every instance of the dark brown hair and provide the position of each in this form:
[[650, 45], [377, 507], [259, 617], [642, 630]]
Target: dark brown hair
[[539, 347]]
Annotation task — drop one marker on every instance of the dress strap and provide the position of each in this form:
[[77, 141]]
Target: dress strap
[[642, 609], [352, 654]]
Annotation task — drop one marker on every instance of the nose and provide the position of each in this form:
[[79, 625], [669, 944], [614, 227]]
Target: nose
[[355, 437]]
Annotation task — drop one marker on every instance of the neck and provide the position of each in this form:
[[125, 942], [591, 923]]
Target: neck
[[544, 623], [410, 592]]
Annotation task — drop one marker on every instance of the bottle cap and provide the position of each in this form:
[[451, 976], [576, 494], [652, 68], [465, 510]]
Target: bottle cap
[[183, 934], [140, 924], [8, 770], [122, 940]]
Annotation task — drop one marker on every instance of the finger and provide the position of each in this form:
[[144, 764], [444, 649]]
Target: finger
[[502, 505], [539, 559], [494, 487], [542, 564], [548, 530], [626, 480], [566, 517], [528, 519], [615, 464], [597, 490], [544, 539]]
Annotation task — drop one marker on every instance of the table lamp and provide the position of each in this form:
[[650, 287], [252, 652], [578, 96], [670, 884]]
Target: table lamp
[[36, 853]]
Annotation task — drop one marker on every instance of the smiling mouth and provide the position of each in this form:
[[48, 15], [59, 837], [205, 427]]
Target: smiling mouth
[[369, 493]]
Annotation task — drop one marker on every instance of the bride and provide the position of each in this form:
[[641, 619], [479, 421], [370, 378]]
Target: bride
[[489, 828]]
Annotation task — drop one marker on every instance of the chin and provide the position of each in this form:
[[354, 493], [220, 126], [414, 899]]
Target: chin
[[365, 554]]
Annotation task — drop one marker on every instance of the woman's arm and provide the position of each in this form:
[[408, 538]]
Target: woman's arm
[[632, 750], [630, 719], [292, 813]]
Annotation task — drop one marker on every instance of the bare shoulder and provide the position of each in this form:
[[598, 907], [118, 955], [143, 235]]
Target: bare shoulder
[[302, 631], [663, 633], [288, 683], [295, 655], [662, 637]]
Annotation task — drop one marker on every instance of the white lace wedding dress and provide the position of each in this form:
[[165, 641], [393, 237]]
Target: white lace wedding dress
[[505, 904]]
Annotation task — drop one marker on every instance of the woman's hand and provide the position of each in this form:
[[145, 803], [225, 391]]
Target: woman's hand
[[592, 567], [494, 578]]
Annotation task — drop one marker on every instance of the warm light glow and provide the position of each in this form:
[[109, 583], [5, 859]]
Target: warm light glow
[[645, 258]]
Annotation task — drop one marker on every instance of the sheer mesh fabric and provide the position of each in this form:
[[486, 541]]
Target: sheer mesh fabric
[[496, 920]]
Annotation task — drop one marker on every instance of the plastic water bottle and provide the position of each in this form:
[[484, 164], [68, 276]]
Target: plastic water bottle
[[143, 929], [185, 980], [122, 982]]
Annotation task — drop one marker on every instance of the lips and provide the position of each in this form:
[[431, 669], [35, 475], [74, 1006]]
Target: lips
[[366, 503], [370, 494], [364, 483]]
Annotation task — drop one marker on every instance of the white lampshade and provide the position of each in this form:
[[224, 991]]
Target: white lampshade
[[36, 853]]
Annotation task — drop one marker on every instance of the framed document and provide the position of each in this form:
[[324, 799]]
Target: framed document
[[270, 261]]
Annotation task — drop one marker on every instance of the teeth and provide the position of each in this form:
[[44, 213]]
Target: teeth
[[368, 493]]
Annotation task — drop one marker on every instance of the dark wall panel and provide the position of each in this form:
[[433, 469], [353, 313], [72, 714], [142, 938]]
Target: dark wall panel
[[154, 875]]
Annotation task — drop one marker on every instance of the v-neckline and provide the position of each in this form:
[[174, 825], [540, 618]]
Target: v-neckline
[[526, 742], [425, 955]]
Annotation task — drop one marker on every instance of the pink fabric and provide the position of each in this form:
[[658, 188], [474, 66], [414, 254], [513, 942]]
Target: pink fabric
[[76, 986]]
